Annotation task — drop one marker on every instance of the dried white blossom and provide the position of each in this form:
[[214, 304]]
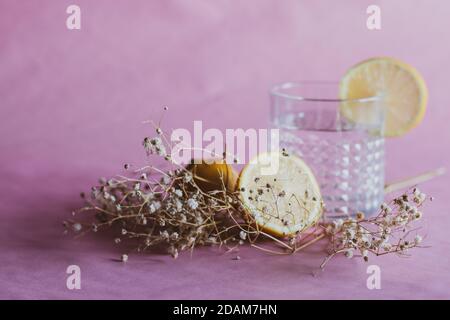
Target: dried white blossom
[[164, 234], [187, 177], [152, 207], [199, 219], [178, 205], [192, 203], [418, 239], [349, 253], [337, 224], [77, 227], [178, 192]]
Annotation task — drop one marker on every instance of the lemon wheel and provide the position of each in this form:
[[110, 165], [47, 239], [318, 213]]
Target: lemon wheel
[[400, 87], [283, 202]]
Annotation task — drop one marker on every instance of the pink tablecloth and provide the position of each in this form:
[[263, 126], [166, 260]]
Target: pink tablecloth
[[72, 102], [35, 255]]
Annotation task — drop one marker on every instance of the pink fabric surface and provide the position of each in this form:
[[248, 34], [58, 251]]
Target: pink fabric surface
[[71, 110]]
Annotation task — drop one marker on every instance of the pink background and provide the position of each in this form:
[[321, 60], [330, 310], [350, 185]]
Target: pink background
[[72, 105]]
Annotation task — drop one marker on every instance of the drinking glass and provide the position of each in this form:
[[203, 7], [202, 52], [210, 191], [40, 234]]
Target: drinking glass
[[341, 140]]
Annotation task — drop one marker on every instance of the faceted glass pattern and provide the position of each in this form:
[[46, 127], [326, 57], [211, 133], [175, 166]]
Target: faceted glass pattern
[[346, 155], [349, 167]]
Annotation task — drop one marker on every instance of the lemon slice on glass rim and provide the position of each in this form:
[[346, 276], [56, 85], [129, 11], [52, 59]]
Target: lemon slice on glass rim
[[402, 91], [284, 202]]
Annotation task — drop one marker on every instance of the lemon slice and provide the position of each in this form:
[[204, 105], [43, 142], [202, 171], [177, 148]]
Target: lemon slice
[[401, 88], [283, 202]]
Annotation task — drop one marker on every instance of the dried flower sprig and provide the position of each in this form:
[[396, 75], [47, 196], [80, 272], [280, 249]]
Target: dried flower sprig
[[157, 207], [392, 231], [167, 208]]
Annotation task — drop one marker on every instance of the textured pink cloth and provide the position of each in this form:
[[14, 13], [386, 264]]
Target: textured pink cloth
[[72, 105]]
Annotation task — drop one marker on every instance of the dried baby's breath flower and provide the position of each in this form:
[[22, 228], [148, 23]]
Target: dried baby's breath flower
[[418, 239], [152, 206], [192, 203], [165, 207], [372, 236], [349, 253], [77, 227]]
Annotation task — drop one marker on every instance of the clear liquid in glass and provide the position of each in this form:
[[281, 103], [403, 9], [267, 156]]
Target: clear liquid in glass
[[349, 166]]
